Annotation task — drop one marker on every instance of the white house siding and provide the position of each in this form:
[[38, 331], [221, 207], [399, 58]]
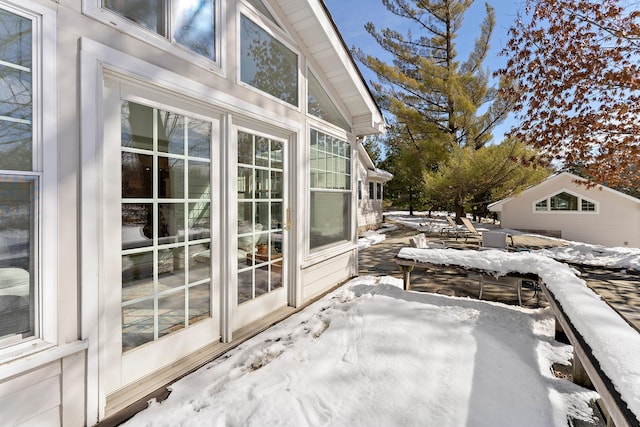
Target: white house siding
[[615, 223], [62, 383], [370, 210]]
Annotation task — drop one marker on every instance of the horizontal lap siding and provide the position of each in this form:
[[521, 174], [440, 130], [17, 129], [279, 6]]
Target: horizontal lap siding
[[32, 399], [323, 276]]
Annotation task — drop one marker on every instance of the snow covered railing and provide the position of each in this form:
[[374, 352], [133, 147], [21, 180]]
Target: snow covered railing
[[606, 345]]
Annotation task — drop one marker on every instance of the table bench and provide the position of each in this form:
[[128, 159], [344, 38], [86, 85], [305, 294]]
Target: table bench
[[484, 278]]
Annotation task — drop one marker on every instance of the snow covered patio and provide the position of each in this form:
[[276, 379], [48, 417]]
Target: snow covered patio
[[370, 354]]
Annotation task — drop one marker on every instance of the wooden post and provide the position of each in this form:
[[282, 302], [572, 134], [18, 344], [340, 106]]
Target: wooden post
[[406, 276], [580, 375], [560, 335]]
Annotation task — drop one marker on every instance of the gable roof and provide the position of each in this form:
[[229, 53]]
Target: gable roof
[[497, 206], [313, 23]]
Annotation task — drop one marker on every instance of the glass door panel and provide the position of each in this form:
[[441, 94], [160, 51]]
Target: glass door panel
[[166, 223], [260, 228]]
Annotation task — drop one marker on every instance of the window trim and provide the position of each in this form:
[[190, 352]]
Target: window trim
[[44, 168], [279, 35], [338, 246], [579, 211], [94, 9]]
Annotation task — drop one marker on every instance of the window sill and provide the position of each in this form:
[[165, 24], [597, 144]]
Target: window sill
[[37, 354], [327, 254]]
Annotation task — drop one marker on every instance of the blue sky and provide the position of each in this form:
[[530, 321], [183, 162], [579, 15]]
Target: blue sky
[[351, 16]]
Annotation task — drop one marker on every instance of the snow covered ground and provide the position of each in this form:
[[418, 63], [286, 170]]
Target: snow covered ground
[[371, 354], [567, 251]]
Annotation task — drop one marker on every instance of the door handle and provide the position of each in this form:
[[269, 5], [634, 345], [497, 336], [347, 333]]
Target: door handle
[[287, 221]]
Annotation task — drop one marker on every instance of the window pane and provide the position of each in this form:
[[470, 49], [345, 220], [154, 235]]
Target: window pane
[[199, 303], [170, 133], [137, 175], [16, 101], [564, 202], [137, 324], [588, 206], [245, 148], [195, 26], [170, 178], [16, 256], [199, 221], [541, 206], [148, 13], [321, 105], [199, 135], [15, 146], [170, 223], [137, 225], [330, 218], [267, 64], [15, 39], [199, 262], [171, 313], [137, 126], [199, 180]]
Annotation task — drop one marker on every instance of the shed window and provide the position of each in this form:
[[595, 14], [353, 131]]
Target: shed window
[[189, 23], [378, 190], [267, 64], [565, 202]]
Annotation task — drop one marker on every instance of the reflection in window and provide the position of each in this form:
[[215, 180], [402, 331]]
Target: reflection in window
[[260, 215], [19, 195], [260, 7], [267, 64], [564, 202], [16, 101], [190, 23], [166, 222], [542, 205], [17, 257], [321, 105], [330, 190]]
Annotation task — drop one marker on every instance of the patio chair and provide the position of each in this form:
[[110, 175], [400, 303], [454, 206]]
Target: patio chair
[[452, 228], [496, 240], [471, 230]]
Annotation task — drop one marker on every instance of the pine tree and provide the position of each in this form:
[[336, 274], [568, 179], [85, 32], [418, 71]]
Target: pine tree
[[436, 100]]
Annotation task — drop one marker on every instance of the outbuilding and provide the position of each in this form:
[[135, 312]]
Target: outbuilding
[[563, 206], [175, 176]]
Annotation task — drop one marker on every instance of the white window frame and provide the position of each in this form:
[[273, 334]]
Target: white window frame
[[94, 9], [579, 211], [277, 33], [339, 246], [45, 153]]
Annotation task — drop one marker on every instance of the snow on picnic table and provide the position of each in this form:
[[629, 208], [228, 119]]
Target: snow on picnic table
[[615, 344], [371, 354]]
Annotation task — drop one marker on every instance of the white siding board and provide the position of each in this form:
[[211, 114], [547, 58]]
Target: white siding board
[[37, 398], [323, 276], [50, 418]]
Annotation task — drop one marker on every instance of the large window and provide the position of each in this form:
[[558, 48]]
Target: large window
[[565, 202], [330, 190], [267, 64], [320, 104], [19, 181], [189, 23], [166, 216]]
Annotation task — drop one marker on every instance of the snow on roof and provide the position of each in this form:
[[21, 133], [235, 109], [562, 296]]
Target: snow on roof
[[615, 344]]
